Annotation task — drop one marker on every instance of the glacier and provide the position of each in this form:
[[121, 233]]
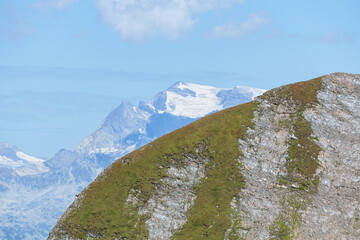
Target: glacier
[[35, 192]]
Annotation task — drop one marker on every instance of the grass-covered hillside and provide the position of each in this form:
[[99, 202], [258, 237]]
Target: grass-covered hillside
[[122, 201]]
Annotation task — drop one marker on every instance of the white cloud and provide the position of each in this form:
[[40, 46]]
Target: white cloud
[[232, 30], [14, 18], [334, 37], [14, 24], [137, 20], [57, 4]]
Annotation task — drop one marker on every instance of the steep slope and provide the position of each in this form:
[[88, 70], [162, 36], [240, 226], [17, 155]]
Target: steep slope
[[285, 166], [35, 193]]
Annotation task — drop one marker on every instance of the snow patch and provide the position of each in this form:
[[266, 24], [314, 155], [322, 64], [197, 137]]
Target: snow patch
[[9, 162], [32, 165], [254, 91], [104, 150], [29, 158], [203, 103], [27, 171], [24, 164], [181, 86]]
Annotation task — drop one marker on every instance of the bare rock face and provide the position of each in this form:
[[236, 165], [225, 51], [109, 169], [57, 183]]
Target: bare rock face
[[265, 151], [335, 208], [269, 209], [166, 209], [299, 161]]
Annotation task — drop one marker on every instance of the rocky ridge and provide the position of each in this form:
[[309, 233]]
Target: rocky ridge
[[285, 166]]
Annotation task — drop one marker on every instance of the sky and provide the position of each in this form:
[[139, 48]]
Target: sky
[[65, 64]]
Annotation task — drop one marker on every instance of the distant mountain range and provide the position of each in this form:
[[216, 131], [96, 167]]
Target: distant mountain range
[[35, 192]]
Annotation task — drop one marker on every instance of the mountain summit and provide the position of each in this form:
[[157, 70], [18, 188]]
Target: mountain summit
[[284, 166], [35, 192], [128, 127]]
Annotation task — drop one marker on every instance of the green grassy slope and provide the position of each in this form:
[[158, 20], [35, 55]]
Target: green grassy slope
[[105, 214], [302, 160], [104, 211]]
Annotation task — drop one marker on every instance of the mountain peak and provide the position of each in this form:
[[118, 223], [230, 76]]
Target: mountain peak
[[182, 100], [280, 167], [195, 100], [126, 104], [177, 84], [20, 163]]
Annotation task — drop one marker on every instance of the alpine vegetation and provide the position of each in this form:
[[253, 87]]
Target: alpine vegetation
[[283, 166]]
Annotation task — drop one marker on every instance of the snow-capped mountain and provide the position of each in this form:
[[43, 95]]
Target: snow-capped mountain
[[19, 163], [129, 127], [35, 192]]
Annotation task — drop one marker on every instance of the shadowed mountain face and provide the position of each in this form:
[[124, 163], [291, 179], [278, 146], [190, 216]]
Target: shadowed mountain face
[[284, 166], [35, 192]]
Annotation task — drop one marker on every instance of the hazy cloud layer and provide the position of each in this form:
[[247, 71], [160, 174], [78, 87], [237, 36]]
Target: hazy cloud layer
[[137, 20], [334, 37], [58, 4], [35, 106], [13, 22], [330, 37], [232, 30]]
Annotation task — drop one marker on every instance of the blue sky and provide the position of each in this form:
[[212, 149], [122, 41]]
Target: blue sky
[[64, 64]]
